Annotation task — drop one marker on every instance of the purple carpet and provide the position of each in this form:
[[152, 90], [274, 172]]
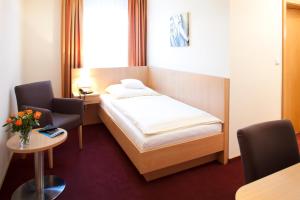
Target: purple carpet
[[103, 171]]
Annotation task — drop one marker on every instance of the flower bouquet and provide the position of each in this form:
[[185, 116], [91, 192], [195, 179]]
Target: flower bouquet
[[23, 123]]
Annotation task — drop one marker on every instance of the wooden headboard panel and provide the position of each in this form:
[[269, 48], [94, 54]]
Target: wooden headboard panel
[[103, 77], [201, 91]]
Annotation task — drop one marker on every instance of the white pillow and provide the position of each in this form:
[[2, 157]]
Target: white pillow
[[119, 91], [133, 84]]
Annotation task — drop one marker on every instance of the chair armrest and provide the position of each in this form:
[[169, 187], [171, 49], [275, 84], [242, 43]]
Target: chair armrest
[[68, 106], [46, 117]]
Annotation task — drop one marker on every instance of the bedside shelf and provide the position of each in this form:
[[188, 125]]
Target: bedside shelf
[[91, 106]]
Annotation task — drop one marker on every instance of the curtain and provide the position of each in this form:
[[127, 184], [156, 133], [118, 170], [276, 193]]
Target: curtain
[[137, 32], [71, 41]]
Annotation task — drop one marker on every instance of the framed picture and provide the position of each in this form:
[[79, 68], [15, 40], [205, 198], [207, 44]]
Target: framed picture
[[179, 30]]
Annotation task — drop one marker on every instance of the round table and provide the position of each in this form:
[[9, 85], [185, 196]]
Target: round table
[[41, 187]]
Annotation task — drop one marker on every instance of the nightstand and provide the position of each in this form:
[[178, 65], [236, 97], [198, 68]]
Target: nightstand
[[91, 106]]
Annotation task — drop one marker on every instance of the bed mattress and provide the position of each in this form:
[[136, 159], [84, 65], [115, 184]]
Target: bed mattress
[[149, 142]]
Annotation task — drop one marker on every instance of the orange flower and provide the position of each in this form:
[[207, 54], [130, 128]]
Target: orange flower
[[19, 122], [28, 111], [9, 120], [37, 115], [21, 114]]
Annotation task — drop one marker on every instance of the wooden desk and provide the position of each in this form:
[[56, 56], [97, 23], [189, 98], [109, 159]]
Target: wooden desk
[[39, 188], [280, 185]]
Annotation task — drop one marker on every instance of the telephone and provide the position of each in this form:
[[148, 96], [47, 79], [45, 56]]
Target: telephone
[[85, 90]]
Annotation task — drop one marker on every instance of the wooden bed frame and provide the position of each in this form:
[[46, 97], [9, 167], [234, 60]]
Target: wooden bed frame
[[205, 92]]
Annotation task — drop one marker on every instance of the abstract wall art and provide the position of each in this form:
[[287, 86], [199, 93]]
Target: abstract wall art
[[179, 30]]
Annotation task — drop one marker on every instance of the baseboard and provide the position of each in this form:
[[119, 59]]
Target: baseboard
[[2, 177], [235, 158]]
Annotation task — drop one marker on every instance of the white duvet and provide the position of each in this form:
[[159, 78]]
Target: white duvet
[[158, 114]]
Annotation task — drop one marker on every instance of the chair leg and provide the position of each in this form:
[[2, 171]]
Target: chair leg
[[50, 158], [80, 136]]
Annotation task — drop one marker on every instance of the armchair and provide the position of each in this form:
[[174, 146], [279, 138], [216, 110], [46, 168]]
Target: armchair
[[267, 148], [66, 113]]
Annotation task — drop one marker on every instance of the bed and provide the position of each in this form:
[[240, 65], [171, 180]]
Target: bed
[[156, 156], [160, 139]]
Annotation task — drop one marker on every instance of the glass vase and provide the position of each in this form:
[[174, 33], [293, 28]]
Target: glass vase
[[24, 136]]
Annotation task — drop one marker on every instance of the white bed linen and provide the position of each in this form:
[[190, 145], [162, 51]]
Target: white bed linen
[[149, 142], [159, 114]]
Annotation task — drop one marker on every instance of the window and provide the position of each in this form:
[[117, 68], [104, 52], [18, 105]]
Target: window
[[105, 33]]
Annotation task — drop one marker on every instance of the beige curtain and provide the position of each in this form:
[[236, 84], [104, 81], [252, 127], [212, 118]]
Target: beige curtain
[[137, 34], [71, 41]]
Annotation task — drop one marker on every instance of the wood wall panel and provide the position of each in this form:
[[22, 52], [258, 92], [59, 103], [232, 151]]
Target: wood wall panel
[[293, 2], [201, 91], [291, 69], [103, 77]]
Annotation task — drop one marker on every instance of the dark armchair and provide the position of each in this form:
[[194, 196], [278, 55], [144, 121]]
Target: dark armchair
[[267, 148], [66, 113]]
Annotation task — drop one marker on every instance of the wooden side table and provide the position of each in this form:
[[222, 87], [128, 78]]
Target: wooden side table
[[91, 106], [41, 187]]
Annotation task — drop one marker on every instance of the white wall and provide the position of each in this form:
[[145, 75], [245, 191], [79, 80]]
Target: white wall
[[209, 29], [41, 42], [254, 40], [29, 51], [10, 70], [255, 45]]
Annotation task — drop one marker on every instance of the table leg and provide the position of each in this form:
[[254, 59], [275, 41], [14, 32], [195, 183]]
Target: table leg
[[39, 171], [41, 187]]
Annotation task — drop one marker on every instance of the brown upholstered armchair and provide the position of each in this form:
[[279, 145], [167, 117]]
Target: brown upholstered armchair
[[66, 113], [267, 148]]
